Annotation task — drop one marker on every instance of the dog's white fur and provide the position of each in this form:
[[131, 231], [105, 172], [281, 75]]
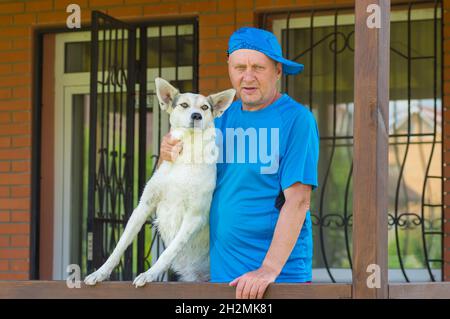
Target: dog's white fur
[[179, 192]]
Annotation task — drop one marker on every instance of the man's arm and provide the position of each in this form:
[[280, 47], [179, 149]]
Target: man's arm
[[292, 215]]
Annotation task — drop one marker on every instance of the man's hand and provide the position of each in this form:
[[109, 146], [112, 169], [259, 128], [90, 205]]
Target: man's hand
[[170, 149], [252, 285]]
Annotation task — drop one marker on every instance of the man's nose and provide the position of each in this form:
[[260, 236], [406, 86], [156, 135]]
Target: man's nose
[[196, 116], [249, 75]]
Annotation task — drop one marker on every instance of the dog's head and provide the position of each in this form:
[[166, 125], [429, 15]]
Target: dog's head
[[188, 110]]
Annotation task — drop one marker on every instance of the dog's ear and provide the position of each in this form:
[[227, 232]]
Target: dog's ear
[[166, 94], [221, 101]]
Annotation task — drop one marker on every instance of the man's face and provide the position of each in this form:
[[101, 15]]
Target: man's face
[[254, 76]]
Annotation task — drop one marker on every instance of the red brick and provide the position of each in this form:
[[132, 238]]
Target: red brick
[[208, 57], [14, 229], [5, 117], [244, 17], [15, 129], [200, 6], [207, 85], [6, 69], [5, 93], [20, 191], [141, 1], [168, 8], [125, 12], [4, 192], [62, 4], [53, 17], [5, 44], [20, 241], [26, 19], [208, 32], [9, 154], [22, 92], [5, 166], [5, 217], [14, 80], [15, 203], [225, 31], [21, 141], [11, 7], [21, 216], [244, 5], [6, 20], [14, 253], [14, 276], [13, 105], [217, 44], [22, 44], [94, 3], [4, 240], [13, 56], [14, 179], [21, 116], [263, 3], [5, 142], [21, 67], [19, 266], [224, 84], [4, 265], [216, 19], [226, 6], [214, 70], [14, 32], [43, 5], [20, 166]]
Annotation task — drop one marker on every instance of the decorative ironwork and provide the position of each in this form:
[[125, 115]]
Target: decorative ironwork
[[118, 154], [331, 210]]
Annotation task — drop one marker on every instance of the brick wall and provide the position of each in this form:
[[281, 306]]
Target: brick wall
[[217, 20]]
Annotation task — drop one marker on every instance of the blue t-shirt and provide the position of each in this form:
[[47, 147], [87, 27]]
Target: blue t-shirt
[[262, 153]]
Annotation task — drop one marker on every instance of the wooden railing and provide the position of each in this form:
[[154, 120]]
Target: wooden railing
[[166, 290], [177, 290]]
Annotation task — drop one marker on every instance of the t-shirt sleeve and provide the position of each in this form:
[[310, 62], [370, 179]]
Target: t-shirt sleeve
[[299, 162]]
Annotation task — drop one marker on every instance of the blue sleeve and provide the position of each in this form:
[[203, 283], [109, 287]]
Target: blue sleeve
[[300, 159]]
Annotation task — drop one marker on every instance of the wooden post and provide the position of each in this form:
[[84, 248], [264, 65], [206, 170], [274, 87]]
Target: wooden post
[[370, 174]]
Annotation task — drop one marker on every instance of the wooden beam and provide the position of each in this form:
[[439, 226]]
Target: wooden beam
[[158, 290], [429, 290], [370, 157]]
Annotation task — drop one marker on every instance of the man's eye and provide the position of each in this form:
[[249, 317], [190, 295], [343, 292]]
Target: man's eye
[[204, 107], [184, 105]]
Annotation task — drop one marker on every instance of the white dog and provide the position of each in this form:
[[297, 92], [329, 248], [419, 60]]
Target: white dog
[[179, 192]]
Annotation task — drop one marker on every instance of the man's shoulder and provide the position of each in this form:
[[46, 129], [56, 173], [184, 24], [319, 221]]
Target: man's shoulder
[[293, 110]]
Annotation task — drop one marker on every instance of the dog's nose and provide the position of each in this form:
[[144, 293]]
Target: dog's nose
[[196, 116]]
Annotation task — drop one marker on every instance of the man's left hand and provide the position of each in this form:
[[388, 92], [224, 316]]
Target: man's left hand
[[253, 284]]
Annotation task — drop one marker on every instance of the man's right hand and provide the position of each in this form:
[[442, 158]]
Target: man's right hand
[[170, 148]]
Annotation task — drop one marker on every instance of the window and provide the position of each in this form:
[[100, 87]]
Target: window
[[323, 41]]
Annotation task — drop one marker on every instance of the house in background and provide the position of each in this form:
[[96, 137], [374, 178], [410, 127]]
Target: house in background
[[80, 127]]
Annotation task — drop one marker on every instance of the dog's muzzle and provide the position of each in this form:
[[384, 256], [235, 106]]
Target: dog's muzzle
[[196, 116]]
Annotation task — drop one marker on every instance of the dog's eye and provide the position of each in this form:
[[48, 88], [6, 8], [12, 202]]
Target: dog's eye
[[204, 107], [184, 105]]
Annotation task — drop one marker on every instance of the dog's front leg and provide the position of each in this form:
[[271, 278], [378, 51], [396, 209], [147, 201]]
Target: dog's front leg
[[147, 205], [189, 226]]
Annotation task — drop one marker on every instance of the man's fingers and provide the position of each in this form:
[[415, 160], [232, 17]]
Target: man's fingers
[[261, 290], [235, 281], [254, 290], [247, 287], [240, 287]]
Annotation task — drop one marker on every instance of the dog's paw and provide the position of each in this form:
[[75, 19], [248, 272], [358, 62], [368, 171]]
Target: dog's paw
[[145, 277], [95, 277]]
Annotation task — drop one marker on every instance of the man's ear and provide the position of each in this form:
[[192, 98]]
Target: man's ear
[[221, 101], [166, 94]]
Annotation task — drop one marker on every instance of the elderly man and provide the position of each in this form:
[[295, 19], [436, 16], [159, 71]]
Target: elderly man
[[260, 223]]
